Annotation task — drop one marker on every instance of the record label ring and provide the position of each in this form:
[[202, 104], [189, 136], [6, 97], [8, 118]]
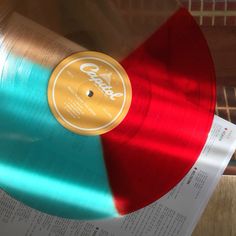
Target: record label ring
[[89, 93]]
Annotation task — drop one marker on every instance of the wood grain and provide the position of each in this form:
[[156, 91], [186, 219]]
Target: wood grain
[[219, 218], [222, 43]]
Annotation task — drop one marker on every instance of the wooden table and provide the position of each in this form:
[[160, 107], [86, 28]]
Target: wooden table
[[219, 217]]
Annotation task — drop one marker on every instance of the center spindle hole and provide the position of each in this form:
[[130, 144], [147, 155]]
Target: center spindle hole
[[90, 93]]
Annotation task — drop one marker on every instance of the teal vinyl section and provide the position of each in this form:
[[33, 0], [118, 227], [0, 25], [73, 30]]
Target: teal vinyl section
[[42, 164]]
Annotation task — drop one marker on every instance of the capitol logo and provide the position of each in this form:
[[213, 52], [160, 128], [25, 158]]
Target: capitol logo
[[103, 80]]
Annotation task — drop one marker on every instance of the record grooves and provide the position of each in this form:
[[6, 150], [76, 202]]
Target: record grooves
[[52, 169], [173, 102]]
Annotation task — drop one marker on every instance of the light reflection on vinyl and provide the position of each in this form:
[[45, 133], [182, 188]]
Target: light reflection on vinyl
[[52, 169], [33, 148]]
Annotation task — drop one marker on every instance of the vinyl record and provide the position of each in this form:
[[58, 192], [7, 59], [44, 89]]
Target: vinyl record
[[58, 167]]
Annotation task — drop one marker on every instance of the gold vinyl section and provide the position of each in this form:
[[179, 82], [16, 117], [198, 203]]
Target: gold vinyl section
[[24, 38]]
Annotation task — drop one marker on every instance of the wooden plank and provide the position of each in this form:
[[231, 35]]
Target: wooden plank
[[222, 44], [219, 218]]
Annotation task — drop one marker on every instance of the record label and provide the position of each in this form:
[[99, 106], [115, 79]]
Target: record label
[[89, 93]]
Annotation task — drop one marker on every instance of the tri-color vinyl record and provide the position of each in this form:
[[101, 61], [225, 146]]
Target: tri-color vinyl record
[[85, 135]]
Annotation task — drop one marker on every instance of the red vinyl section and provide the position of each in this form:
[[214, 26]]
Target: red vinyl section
[[173, 84]]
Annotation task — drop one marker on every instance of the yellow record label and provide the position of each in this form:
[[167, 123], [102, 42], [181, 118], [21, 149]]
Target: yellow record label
[[89, 93]]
